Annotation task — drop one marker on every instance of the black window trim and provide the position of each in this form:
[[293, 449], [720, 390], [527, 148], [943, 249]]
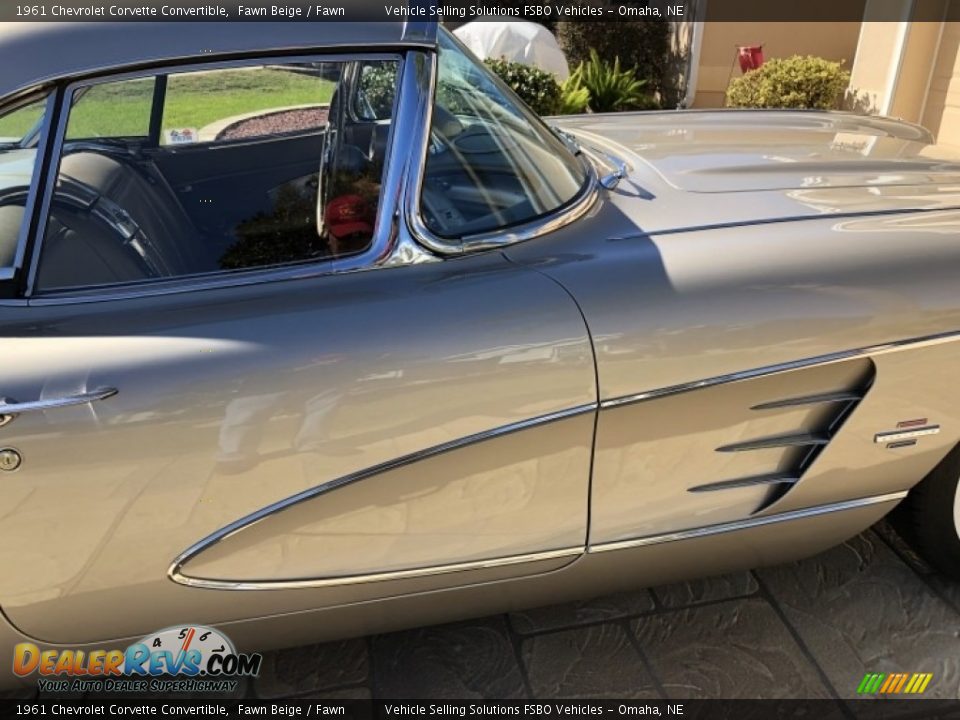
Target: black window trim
[[384, 233]]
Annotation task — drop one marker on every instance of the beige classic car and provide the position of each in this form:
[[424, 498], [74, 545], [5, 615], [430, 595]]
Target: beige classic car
[[314, 330]]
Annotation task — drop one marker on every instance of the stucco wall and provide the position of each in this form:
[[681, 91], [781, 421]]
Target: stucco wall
[[941, 113], [892, 71], [911, 69]]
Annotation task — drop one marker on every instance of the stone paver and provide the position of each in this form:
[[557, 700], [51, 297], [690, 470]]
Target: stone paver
[[948, 590], [312, 668], [465, 660], [598, 661], [859, 608], [733, 649]]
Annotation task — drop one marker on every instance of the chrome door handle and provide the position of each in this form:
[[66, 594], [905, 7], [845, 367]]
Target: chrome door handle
[[9, 410]]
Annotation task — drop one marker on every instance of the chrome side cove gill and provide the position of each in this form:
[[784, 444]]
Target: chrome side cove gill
[[571, 552], [798, 440], [746, 524], [881, 349], [770, 479], [175, 574], [824, 398]]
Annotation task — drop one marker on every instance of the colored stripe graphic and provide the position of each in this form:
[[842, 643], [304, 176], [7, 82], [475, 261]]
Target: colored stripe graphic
[[894, 683], [870, 683]]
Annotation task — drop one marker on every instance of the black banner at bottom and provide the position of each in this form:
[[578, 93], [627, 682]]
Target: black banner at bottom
[[389, 709]]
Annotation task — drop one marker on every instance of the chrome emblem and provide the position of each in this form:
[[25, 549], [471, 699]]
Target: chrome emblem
[[907, 432]]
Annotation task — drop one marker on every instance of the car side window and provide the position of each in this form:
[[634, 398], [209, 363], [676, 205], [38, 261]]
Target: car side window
[[240, 168], [492, 163], [19, 138], [112, 110]]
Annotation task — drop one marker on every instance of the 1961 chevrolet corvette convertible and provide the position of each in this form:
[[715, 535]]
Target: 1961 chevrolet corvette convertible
[[313, 330]]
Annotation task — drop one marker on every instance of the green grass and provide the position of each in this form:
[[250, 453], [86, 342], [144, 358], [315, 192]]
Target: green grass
[[198, 100], [112, 110], [193, 100], [19, 122]]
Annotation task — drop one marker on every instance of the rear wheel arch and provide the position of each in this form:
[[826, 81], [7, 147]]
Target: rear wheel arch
[[931, 515]]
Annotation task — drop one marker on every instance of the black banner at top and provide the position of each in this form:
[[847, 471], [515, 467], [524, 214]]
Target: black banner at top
[[460, 11]]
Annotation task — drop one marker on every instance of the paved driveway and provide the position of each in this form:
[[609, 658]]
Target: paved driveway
[[808, 629]]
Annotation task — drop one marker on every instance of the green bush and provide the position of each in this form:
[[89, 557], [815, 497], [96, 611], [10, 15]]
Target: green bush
[[794, 82], [537, 88], [574, 97], [643, 45], [610, 87], [379, 87]]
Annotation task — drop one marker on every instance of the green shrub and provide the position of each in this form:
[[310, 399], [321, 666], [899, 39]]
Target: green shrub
[[574, 97], [794, 82], [643, 45], [537, 88], [379, 87], [611, 88]]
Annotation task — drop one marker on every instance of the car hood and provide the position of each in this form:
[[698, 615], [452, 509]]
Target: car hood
[[754, 165]]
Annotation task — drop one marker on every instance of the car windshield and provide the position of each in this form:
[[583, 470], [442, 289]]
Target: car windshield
[[492, 163]]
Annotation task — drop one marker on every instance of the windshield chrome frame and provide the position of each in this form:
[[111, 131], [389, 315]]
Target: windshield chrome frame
[[561, 216]]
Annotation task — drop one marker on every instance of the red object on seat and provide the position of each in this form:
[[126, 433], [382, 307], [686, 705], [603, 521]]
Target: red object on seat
[[348, 215], [750, 57]]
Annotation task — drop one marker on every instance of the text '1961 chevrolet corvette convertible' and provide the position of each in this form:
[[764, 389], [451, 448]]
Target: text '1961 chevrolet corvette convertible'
[[314, 330]]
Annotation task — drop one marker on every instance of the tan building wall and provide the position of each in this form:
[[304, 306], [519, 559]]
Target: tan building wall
[[941, 111], [871, 70], [718, 65], [911, 69], [892, 72]]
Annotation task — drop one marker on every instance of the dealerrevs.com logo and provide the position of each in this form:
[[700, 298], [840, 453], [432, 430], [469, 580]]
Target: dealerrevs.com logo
[[189, 659]]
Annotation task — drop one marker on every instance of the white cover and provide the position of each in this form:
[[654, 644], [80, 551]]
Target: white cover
[[517, 41]]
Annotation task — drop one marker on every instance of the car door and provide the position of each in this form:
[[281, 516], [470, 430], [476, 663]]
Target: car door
[[171, 426]]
